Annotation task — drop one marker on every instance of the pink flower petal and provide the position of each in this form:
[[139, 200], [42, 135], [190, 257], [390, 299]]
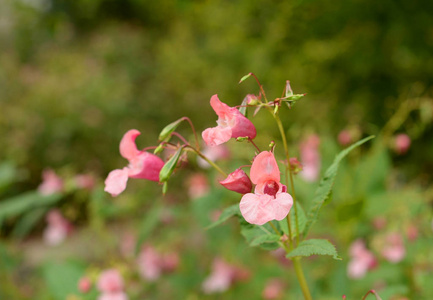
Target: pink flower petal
[[110, 281], [113, 296], [264, 168], [116, 181], [145, 166], [220, 108], [260, 209], [128, 148], [237, 181], [216, 135], [281, 206]]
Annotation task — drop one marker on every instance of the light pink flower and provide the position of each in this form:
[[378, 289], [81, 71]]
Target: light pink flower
[[110, 282], [198, 186], [149, 263], [84, 284], [361, 261], [213, 154], [51, 183], [270, 200], [274, 289], [344, 137], [310, 158], [85, 181], [237, 181], [222, 277], [231, 124], [113, 296], [394, 249], [402, 143], [57, 229], [142, 165]]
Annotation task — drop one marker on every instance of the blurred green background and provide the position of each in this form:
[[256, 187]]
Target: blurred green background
[[75, 75]]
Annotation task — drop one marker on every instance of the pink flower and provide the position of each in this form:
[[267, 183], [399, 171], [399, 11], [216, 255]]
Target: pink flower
[[85, 181], [84, 284], [223, 275], [270, 200], [344, 137], [310, 158], [198, 186], [141, 165], [231, 124], [394, 250], [51, 183], [149, 263], [170, 262], [274, 289], [361, 261], [402, 143], [213, 154], [58, 228], [113, 296], [110, 282], [238, 182]]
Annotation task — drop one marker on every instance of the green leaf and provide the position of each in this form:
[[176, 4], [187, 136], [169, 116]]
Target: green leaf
[[169, 166], [265, 238], [165, 133], [8, 174], [253, 234], [302, 219], [17, 205], [225, 215], [28, 221], [245, 77], [62, 279], [325, 185], [314, 247]]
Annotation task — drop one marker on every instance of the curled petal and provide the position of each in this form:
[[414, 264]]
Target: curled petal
[[216, 135], [116, 181], [145, 166], [128, 149], [264, 168], [220, 108]]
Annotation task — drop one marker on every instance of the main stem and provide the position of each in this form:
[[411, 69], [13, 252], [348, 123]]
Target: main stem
[[301, 278]]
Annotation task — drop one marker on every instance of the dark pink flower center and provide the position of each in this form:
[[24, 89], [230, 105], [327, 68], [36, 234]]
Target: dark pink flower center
[[271, 188]]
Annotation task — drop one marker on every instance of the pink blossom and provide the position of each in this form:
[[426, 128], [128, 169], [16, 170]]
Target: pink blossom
[[198, 186], [310, 158], [394, 250], [402, 143], [170, 262], [237, 181], [110, 282], [231, 124], [84, 284], [274, 289], [344, 137], [149, 263], [142, 165], [223, 275], [361, 261], [51, 183], [57, 229], [270, 200], [113, 296], [85, 181], [213, 154]]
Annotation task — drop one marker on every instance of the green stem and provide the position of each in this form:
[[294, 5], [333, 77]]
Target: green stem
[[208, 161], [301, 278]]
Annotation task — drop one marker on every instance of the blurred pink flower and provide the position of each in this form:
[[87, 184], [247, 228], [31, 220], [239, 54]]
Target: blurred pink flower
[[213, 154], [379, 223], [231, 124], [170, 262], [344, 137], [149, 263], [270, 200], [84, 284], [198, 186], [310, 158], [85, 181], [222, 276], [295, 165], [237, 181], [113, 296], [110, 282], [402, 143], [274, 289], [394, 249], [51, 183], [142, 165], [57, 229], [361, 261]]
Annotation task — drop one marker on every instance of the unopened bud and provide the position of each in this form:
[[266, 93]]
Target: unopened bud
[[242, 139], [237, 181], [295, 165]]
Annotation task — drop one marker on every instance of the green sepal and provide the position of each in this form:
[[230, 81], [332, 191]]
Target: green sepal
[[168, 130], [169, 166]]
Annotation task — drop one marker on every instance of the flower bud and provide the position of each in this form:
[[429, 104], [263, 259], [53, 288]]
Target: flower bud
[[295, 165], [237, 181]]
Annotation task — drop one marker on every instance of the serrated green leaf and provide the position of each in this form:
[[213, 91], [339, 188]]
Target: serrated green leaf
[[165, 133], [325, 185], [169, 166], [265, 238], [253, 232], [245, 77], [314, 247], [225, 215]]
